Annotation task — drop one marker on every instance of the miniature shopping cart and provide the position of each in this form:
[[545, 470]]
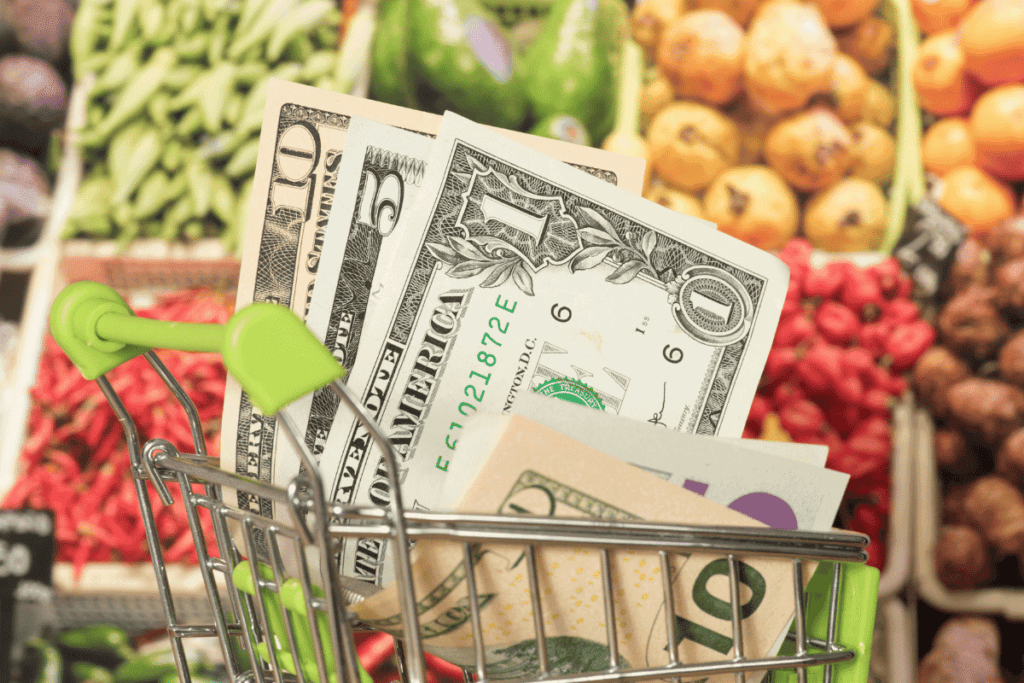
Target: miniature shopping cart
[[289, 608]]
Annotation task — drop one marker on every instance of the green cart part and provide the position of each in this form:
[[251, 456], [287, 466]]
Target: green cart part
[[855, 627], [265, 346]]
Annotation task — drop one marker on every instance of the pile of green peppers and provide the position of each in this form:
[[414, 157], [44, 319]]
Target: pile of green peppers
[[456, 55], [103, 654], [176, 92]]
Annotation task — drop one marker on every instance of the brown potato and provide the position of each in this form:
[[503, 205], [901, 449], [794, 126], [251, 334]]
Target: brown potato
[[844, 13], [1010, 458], [848, 88], [936, 371], [680, 202], [969, 268], [1011, 360], [970, 324], [953, 453], [811, 150], [996, 508], [650, 18], [987, 408], [691, 144], [1008, 282], [655, 96], [965, 650], [879, 105], [953, 505], [701, 54], [753, 125], [872, 43], [963, 559], [1006, 241], [789, 57], [874, 152], [740, 10]]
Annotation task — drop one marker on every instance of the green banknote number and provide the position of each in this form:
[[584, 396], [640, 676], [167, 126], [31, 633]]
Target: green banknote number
[[718, 608]]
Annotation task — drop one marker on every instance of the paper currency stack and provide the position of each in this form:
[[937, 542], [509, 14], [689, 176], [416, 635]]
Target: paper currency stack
[[476, 283]]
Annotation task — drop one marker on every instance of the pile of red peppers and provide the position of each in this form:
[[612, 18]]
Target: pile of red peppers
[[75, 458], [846, 337]]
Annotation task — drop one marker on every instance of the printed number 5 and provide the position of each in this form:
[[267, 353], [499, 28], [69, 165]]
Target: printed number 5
[[380, 202]]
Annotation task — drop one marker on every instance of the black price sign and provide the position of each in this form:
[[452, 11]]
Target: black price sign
[[26, 569], [928, 246]]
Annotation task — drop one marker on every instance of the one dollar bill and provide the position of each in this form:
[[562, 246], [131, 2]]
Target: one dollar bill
[[294, 187], [516, 273]]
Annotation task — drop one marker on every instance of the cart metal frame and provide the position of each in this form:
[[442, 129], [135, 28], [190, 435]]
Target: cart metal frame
[[289, 636]]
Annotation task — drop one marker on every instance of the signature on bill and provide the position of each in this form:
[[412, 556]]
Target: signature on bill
[[657, 416]]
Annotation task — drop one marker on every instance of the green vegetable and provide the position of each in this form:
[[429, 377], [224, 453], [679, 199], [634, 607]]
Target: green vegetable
[[117, 72], [143, 157], [147, 668], [154, 193], [296, 23], [464, 61], [151, 20], [244, 160], [389, 55], [562, 127], [99, 644], [567, 68], [199, 180], [133, 97], [85, 672], [44, 663]]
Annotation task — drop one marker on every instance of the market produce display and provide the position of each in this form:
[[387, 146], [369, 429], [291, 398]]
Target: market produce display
[[768, 118], [969, 76], [972, 382], [456, 55], [33, 102], [75, 457], [176, 92], [846, 339], [966, 649]]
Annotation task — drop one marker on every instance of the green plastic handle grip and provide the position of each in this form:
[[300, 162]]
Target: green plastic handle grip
[[264, 346]]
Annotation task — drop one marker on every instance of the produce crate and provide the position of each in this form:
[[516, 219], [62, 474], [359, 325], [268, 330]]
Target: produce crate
[[1005, 601], [894, 652]]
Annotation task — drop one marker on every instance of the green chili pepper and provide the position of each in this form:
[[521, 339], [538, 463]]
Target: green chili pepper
[[251, 118], [151, 19], [233, 108], [190, 124], [83, 37], [129, 231], [93, 197], [264, 26], [326, 36], [198, 175], [159, 109], [147, 668], [144, 156], [124, 16], [212, 9], [215, 84], [251, 73], [248, 13], [45, 662], [218, 39], [175, 217], [173, 154], [133, 97], [236, 226], [222, 198], [152, 195], [117, 72], [122, 145], [193, 230], [95, 226], [319, 64], [296, 23], [243, 162], [182, 76]]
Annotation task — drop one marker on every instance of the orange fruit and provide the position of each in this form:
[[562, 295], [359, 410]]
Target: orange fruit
[[940, 76], [997, 125], [947, 143], [843, 13], [935, 16], [992, 36], [976, 199]]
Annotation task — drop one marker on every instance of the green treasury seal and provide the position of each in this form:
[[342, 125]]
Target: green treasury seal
[[571, 390]]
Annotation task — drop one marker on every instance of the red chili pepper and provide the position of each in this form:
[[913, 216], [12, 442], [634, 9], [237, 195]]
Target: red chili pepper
[[850, 389], [820, 369], [759, 407], [786, 393], [887, 274], [793, 302], [906, 344], [837, 323], [861, 294], [900, 311], [843, 417], [374, 651], [868, 519], [876, 427], [830, 439], [868, 451], [857, 361], [877, 401], [779, 365], [876, 554], [444, 669], [802, 418], [32, 451], [797, 255], [873, 337], [824, 283], [793, 331]]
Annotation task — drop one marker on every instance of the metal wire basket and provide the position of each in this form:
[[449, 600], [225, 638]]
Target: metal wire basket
[[289, 609]]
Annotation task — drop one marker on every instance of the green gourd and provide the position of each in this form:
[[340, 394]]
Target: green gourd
[[570, 68], [463, 61], [389, 56]]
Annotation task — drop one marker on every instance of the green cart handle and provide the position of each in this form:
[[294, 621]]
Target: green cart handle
[[271, 353]]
